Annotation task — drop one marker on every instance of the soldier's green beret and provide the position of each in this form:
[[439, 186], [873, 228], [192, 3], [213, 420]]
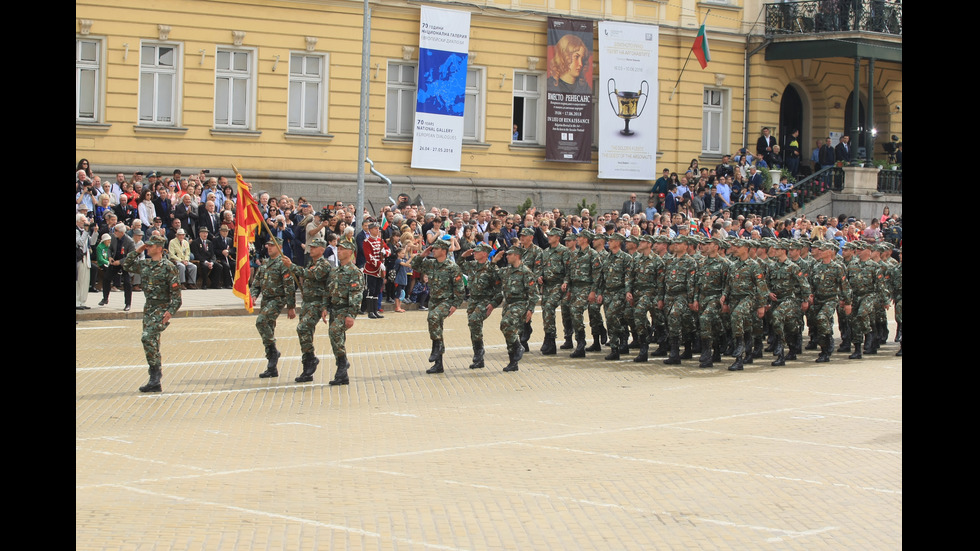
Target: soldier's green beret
[[347, 244], [156, 240], [318, 242], [482, 248], [527, 231]]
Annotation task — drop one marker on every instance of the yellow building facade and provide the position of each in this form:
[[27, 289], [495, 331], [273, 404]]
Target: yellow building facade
[[273, 87]]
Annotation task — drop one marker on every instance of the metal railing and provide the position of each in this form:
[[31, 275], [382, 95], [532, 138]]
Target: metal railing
[[890, 181], [827, 179], [834, 16]]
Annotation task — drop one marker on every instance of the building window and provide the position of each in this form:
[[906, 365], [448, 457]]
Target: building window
[[88, 80], [234, 96], [528, 108], [473, 116], [159, 84], [714, 124], [308, 74], [402, 94]]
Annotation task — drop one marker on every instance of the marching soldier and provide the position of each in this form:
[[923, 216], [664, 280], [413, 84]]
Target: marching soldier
[[448, 293], [863, 277], [788, 286], [566, 305], [531, 257], [677, 300], [520, 295], [611, 294], [485, 295], [342, 302], [552, 274], [276, 284], [643, 286], [161, 288], [830, 291], [583, 271], [745, 293], [315, 277], [709, 284], [896, 295]]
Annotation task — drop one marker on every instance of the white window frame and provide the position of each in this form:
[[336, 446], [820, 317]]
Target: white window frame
[[538, 96], [301, 79], [96, 66], [400, 89], [715, 120], [155, 70], [247, 75], [475, 110]]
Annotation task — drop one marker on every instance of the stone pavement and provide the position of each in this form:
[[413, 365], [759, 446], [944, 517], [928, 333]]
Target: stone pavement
[[564, 454]]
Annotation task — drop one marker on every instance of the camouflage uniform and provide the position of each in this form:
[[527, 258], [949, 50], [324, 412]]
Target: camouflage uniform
[[896, 295], [745, 292], [830, 289], [678, 294], [611, 286], [566, 303], [161, 288], [315, 281], [583, 270], [531, 258], [787, 281], [520, 290], [448, 292], [553, 273], [276, 284], [483, 281], [708, 286], [864, 278], [645, 283], [343, 300]]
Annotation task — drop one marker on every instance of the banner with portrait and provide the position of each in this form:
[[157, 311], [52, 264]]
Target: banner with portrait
[[568, 122], [628, 109], [444, 40]]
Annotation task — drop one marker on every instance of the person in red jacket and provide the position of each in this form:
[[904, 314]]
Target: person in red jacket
[[375, 251]]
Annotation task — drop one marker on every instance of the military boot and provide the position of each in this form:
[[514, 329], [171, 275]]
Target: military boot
[[706, 356], [644, 349], [845, 340], [437, 350], [662, 348], [730, 346], [856, 355], [795, 346], [525, 336], [813, 344], [770, 344], [747, 357], [635, 344], [478, 352], [739, 352], [757, 349], [826, 345], [780, 350], [548, 346], [596, 347], [153, 385], [722, 345], [272, 355], [309, 368], [579, 351], [603, 335], [436, 367], [696, 344], [614, 348], [688, 350], [675, 352], [512, 356], [622, 341], [340, 378], [568, 344], [869, 343]]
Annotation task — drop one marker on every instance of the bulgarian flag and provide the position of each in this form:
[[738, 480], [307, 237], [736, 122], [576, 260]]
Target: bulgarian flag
[[700, 48], [384, 223], [247, 221]]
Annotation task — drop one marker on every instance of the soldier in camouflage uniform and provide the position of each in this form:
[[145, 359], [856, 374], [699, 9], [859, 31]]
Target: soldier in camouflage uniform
[[798, 254], [881, 253], [343, 302], [644, 285], [551, 276], [830, 290], [790, 292], [520, 290], [531, 257], [583, 270], [485, 294], [708, 286], [848, 256], [315, 277], [896, 295], [864, 278], [658, 330], [611, 294], [678, 299], [598, 241], [161, 287], [745, 294], [275, 282], [448, 292], [566, 305]]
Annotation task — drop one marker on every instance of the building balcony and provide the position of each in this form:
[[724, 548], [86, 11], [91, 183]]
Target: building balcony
[[816, 17]]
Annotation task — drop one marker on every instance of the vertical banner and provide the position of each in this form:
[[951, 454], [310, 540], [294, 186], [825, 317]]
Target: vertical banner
[[628, 120], [444, 40], [569, 111]]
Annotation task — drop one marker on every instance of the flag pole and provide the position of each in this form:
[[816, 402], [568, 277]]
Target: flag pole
[[689, 54], [271, 235]]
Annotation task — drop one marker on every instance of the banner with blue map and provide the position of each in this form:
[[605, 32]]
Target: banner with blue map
[[444, 40]]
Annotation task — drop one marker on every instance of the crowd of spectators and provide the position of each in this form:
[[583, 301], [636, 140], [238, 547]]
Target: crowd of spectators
[[196, 214]]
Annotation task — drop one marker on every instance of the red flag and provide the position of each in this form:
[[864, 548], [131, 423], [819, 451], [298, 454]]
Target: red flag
[[246, 222]]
